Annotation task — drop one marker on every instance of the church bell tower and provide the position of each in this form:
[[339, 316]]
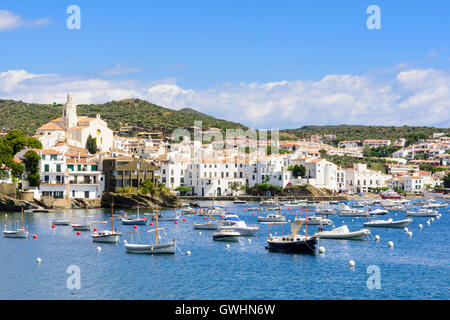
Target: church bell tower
[[69, 118]]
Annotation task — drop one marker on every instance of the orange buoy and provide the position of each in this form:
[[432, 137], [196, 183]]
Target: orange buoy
[[184, 220], [53, 226], [204, 218], [78, 233], [176, 222], [151, 224], [34, 236], [135, 226], [95, 229]]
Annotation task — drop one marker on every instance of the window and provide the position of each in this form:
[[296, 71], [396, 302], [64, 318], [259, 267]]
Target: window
[[52, 157], [58, 168], [86, 194], [94, 167], [73, 193], [70, 166], [47, 168]]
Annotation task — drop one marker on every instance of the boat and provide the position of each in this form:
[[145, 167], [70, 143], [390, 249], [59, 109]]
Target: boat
[[346, 211], [226, 235], [342, 233], [272, 217], [390, 194], [107, 236], [292, 243], [314, 221], [61, 222], [233, 221], [134, 221], [325, 211], [434, 205], [378, 212], [389, 223], [82, 226], [422, 213], [210, 225], [269, 202], [155, 248], [395, 208], [237, 201], [18, 232], [186, 209]]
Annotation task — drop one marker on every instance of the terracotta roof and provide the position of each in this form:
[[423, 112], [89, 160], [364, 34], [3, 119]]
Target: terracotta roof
[[50, 126]]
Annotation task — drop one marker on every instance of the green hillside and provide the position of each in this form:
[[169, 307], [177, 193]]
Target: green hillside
[[358, 132], [28, 117]]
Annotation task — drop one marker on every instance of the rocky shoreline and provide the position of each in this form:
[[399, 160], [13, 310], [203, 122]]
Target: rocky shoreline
[[123, 201]]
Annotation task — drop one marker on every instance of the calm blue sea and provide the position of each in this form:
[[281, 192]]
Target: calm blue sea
[[416, 268]]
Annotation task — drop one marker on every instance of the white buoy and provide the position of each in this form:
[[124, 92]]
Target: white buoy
[[38, 260], [432, 219], [228, 246], [351, 263], [321, 250], [438, 217], [377, 238], [420, 226], [188, 253], [405, 229], [409, 233], [249, 240], [99, 249], [428, 223], [199, 233], [390, 244]]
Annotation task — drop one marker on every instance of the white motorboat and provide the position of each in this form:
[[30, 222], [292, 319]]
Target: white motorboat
[[61, 222], [269, 202], [422, 213], [175, 217], [395, 208], [226, 235], [19, 233], [272, 217], [107, 236], [389, 223], [314, 221], [378, 212], [342, 233], [232, 221], [81, 227], [346, 211], [325, 211], [187, 210], [434, 205]]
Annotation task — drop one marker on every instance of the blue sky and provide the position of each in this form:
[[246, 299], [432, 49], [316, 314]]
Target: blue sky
[[195, 53]]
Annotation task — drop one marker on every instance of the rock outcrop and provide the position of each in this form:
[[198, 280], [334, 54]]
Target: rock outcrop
[[11, 204], [131, 201]]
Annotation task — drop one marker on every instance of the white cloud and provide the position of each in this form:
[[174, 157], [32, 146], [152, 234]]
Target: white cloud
[[10, 21], [414, 97]]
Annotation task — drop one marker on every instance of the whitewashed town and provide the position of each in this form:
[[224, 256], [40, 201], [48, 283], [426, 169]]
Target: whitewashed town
[[218, 167]]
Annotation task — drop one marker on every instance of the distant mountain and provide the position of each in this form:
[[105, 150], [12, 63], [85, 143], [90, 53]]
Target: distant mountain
[[129, 112]]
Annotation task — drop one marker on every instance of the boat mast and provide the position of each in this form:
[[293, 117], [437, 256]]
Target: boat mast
[[306, 223], [112, 215], [21, 220], [156, 230]]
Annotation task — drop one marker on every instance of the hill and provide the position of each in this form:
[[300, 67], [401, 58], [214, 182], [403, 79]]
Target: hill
[[359, 132], [28, 117]]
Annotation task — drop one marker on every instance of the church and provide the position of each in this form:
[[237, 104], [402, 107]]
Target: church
[[75, 130]]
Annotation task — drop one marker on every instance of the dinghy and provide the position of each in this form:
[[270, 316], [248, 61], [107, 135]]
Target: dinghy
[[389, 223], [342, 233]]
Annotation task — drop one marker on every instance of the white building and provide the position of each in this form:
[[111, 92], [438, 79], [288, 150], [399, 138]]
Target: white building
[[360, 179], [75, 129]]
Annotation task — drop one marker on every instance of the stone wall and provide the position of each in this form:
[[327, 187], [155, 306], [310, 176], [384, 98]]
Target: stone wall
[[8, 189]]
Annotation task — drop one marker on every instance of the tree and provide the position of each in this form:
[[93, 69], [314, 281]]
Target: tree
[[235, 186], [31, 161], [183, 190], [18, 140], [447, 180], [298, 170], [4, 175], [91, 145]]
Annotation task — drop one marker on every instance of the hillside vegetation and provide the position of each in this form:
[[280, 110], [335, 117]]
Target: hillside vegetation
[[28, 117], [358, 132]]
